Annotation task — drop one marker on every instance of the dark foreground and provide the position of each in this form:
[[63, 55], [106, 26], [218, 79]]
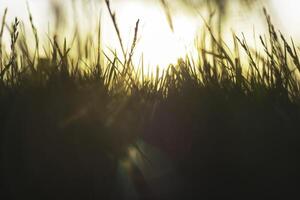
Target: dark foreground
[[68, 143]]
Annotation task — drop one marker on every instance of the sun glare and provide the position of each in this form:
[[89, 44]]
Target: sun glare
[[157, 44], [287, 13]]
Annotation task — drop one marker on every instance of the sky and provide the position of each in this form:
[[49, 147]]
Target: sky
[[158, 44]]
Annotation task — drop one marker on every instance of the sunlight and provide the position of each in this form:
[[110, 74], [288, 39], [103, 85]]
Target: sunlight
[[149, 99], [287, 14], [158, 45]]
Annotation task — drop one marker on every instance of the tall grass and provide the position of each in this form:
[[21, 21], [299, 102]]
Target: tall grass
[[229, 125]]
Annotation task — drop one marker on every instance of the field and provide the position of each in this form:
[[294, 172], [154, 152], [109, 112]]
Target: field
[[228, 126]]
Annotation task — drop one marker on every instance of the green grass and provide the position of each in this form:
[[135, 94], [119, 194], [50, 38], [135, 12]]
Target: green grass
[[230, 126]]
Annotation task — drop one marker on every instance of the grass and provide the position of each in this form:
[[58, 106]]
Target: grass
[[229, 126]]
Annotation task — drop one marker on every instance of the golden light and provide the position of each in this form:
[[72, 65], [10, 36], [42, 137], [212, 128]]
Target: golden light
[[158, 45]]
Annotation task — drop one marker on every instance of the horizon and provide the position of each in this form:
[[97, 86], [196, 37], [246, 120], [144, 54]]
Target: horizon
[[153, 30]]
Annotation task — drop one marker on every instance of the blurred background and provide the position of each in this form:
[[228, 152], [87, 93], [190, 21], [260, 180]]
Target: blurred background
[[160, 43]]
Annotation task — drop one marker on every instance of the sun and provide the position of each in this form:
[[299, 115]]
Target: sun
[[158, 45]]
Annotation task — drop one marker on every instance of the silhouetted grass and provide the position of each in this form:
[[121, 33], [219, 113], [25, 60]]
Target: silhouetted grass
[[230, 126]]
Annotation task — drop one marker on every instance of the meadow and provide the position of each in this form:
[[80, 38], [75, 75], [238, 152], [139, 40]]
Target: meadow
[[229, 125]]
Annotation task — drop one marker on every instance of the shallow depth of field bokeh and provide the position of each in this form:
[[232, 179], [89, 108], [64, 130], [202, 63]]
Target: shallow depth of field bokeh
[[154, 99], [158, 44]]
